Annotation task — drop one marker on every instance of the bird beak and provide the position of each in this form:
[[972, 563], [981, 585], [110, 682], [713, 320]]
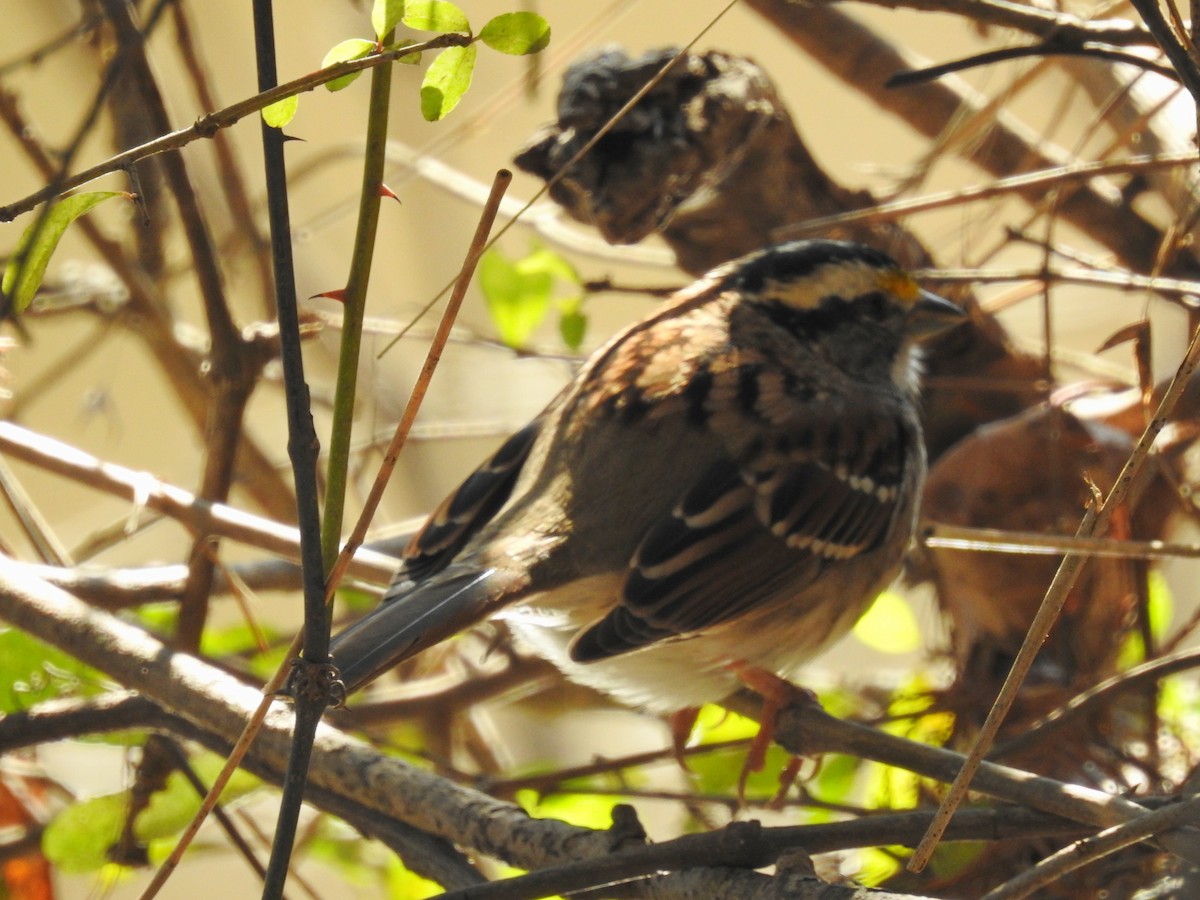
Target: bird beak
[[931, 315]]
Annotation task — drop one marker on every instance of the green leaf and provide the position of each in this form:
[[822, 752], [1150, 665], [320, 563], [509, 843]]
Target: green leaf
[[355, 48], [582, 810], [876, 865], [435, 15], [404, 883], [446, 80], [837, 778], [33, 672], [408, 59], [889, 626], [1160, 606], [27, 266], [77, 840], [385, 15], [516, 33], [517, 299], [572, 323], [1159, 612], [281, 112], [171, 809], [542, 259]]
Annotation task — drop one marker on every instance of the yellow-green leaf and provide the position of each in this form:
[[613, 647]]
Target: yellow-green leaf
[[435, 15], [446, 80], [279, 113], [408, 59], [572, 323], [516, 33], [173, 807], [385, 16], [27, 266], [517, 300], [889, 626], [77, 840], [355, 48]]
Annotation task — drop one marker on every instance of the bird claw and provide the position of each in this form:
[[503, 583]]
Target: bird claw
[[777, 694]]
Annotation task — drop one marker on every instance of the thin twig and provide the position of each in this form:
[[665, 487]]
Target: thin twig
[[1095, 522], [1027, 181], [433, 356], [1102, 693], [143, 490], [579, 154], [995, 540], [354, 304], [208, 125], [1088, 850], [1046, 49]]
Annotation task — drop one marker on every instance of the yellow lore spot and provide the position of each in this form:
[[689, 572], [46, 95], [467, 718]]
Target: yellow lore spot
[[900, 284]]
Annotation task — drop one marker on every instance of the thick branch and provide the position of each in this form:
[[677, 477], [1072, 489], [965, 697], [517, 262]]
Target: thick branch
[[866, 61]]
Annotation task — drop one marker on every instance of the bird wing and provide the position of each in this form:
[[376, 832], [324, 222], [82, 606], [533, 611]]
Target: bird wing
[[809, 497], [464, 512], [419, 610]]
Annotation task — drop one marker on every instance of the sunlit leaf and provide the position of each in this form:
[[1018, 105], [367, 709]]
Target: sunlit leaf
[[582, 810], [837, 778], [877, 865], [408, 59], [435, 15], [1160, 607], [405, 884], [33, 672], [355, 48], [446, 80], [171, 809], [517, 299], [27, 266], [889, 626], [543, 259], [238, 637], [516, 33], [281, 112], [385, 15], [77, 840], [1160, 604]]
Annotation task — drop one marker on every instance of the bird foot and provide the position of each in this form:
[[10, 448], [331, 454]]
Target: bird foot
[[681, 723], [777, 694]]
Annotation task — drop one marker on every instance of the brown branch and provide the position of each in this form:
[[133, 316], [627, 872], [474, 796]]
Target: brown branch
[[1138, 676], [208, 125], [1036, 20], [1026, 182], [143, 490], [145, 316], [1068, 859], [1171, 43], [233, 183], [217, 705], [806, 730], [866, 61], [233, 366]]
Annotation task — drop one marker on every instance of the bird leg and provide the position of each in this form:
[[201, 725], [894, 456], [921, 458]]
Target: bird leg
[[777, 694], [681, 723]]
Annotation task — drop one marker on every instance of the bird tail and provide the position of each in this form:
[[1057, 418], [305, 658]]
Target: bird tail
[[409, 622]]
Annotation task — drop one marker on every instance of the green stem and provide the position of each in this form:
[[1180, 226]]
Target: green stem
[[355, 305]]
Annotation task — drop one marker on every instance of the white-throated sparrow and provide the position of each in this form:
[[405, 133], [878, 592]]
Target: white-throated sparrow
[[727, 483]]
